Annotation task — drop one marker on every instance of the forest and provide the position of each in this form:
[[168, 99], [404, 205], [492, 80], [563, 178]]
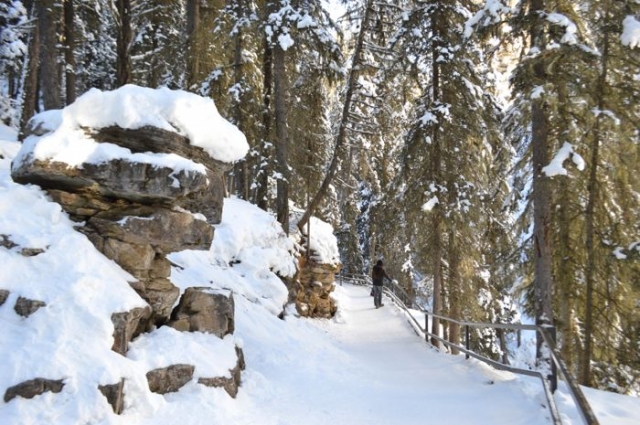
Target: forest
[[487, 150]]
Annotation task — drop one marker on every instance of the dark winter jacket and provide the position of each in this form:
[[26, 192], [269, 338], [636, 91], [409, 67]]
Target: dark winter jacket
[[378, 274]]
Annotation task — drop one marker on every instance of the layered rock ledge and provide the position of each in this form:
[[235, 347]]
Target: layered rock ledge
[[140, 187]]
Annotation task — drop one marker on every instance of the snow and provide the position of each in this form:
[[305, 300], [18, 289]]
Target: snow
[[555, 167], [323, 242], [133, 107], [366, 366], [571, 30], [428, 206], [630, 32], [491, 13]]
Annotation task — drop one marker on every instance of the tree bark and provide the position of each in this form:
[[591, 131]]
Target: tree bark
[[69, 56], [123, 62], [282, 142], [592, 187], [30, 98], [543, 278], [193, 43], [455, 290], [241, 168], [50, 80], [264, 168]]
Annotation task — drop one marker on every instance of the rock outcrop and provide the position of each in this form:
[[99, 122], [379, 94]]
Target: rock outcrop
[[137, 212], [138, 195], [312, 288]]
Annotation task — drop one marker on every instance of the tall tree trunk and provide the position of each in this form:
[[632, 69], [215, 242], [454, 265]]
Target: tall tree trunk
[[262, 192], [123, 61], [48, 18], [543, 278], [193, 44], [282, 142], [69, 56], [352, 79], [592, 187], [32, 69], [455, 289], [436, 164], [241, 168]]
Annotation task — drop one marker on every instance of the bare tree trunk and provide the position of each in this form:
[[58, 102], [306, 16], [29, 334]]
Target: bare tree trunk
[[541, 220], [264, 169], [69, 57], [241, 168], [436, 164], [541, 195], [193, 43], [48, 17], [455, 290], [344, 120], [282, 165], [123, 62], [587, 353], [30, 98]]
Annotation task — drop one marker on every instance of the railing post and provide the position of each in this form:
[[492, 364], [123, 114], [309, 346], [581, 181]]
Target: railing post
[[467, 338], [426, 326]]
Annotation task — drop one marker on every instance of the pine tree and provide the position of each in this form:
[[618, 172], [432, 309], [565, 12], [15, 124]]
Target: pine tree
[[448, 159]]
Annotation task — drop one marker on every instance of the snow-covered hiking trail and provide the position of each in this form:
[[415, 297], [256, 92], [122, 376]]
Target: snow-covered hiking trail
[[376, 370], [411, 382]]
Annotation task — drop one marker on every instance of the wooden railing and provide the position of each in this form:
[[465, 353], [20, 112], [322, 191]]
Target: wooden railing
[[548, 334]]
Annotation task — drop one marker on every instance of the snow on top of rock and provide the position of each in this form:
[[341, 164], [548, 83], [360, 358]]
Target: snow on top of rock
[[133, 107]]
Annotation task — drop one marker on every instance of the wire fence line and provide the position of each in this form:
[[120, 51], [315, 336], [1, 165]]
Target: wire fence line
[[549, 379]]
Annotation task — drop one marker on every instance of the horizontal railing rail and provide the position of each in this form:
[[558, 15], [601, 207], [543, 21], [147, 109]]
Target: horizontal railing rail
[[549, 383]]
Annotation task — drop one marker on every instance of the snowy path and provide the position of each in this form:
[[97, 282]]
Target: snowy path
[[375, 370]]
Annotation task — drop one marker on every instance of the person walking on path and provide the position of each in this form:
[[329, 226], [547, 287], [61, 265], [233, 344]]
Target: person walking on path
[[378, 274]]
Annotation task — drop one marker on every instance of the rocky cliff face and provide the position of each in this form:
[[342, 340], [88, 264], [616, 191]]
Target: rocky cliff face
[[136, 210]]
